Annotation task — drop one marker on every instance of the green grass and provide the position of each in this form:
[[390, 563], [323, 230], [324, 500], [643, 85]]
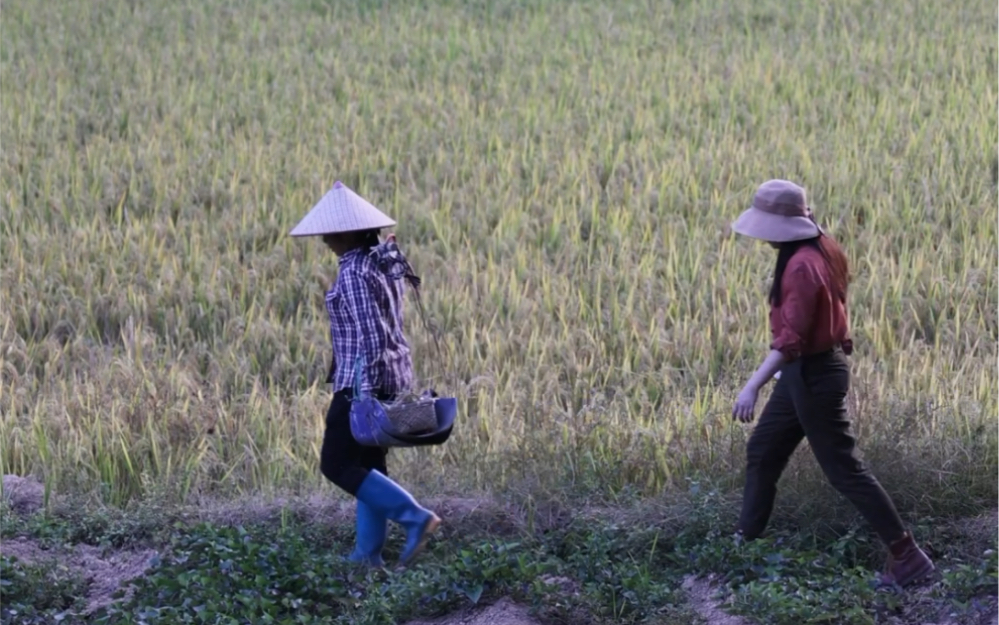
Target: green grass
[[563, 174]]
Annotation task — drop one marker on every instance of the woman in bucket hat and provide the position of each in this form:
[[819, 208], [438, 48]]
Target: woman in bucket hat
[[365, 314], [808, 321]]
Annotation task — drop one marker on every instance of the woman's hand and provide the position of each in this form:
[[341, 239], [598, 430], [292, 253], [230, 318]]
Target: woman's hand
[[745, 404]]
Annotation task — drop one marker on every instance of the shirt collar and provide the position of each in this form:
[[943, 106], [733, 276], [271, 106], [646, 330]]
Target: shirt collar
[[352, 255]]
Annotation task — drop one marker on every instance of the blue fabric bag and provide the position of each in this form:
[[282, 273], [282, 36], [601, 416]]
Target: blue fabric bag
[[371, 427]]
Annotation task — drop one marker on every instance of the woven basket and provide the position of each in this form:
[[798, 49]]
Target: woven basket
[[415, 416]]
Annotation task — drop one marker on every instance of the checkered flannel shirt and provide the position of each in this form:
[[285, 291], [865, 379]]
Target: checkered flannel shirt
[[365, 312]]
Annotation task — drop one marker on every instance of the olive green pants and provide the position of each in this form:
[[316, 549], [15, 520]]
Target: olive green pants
[[809, 400]]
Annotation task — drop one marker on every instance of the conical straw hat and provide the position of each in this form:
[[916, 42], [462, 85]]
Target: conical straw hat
[[341, 210]]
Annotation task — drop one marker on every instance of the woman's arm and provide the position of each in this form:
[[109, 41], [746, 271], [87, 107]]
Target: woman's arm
[[770, 365], [745, 404]]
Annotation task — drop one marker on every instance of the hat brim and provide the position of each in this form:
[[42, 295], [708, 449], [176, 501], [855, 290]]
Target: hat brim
[[772, 228], [299, 233], [341, 210]]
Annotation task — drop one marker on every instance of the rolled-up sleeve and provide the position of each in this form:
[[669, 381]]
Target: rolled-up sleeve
[[799, 292]]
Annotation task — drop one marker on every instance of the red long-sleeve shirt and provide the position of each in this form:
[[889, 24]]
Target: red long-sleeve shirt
[[810, 318]]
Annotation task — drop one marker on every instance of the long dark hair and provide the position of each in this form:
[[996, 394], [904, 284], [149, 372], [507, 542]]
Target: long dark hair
[[839, 269]]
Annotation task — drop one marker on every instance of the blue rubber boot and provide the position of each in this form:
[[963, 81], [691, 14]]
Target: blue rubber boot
[[371, 531], [391, 500]]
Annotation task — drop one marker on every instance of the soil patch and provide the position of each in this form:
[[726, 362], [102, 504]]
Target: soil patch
[[503, 612], [701, 596], [918, 607], [922, 607], [24, 495], [104, 571]]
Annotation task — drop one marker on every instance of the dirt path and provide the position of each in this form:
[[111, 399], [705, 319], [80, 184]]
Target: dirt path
[[700, 595], [104, 572], [503, 612]]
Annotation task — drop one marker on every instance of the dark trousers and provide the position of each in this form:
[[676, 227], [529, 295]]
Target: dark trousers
[[809, 400], [343, 460]]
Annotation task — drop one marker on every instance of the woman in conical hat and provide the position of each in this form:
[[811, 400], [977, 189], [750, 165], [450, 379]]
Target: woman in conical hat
[[808, 322], [365, 313]]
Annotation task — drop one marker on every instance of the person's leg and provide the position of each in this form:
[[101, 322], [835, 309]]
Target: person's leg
[[771, 444], [381, 498], [343, 460], [819, 386], [346, 463], [392, 501], [372, 530], [372, 525]]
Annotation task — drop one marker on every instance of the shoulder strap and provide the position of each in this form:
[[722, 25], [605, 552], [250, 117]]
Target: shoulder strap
[[395, 264]]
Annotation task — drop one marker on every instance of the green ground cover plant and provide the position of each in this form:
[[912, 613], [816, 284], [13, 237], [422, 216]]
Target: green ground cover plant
[[590, 569]]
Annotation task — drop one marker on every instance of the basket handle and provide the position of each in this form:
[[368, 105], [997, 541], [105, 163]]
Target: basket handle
[[430, 329], [400, 265], [358, 389]]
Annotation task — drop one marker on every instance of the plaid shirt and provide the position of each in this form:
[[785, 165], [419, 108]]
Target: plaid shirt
[[365, 311]]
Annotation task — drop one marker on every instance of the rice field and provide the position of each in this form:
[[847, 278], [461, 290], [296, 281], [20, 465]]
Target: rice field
[[563, 174]]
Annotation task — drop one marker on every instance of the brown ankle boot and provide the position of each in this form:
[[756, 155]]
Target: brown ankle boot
[[906, 562]]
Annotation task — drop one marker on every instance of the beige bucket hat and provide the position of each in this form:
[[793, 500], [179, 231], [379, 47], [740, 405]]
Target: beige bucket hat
[[341, 210], [779, 214]]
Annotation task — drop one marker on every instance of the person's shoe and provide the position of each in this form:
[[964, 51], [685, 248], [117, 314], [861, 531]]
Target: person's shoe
[[372, 528], [906, 563], [418, 531], [742, 537], [393, 502]]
